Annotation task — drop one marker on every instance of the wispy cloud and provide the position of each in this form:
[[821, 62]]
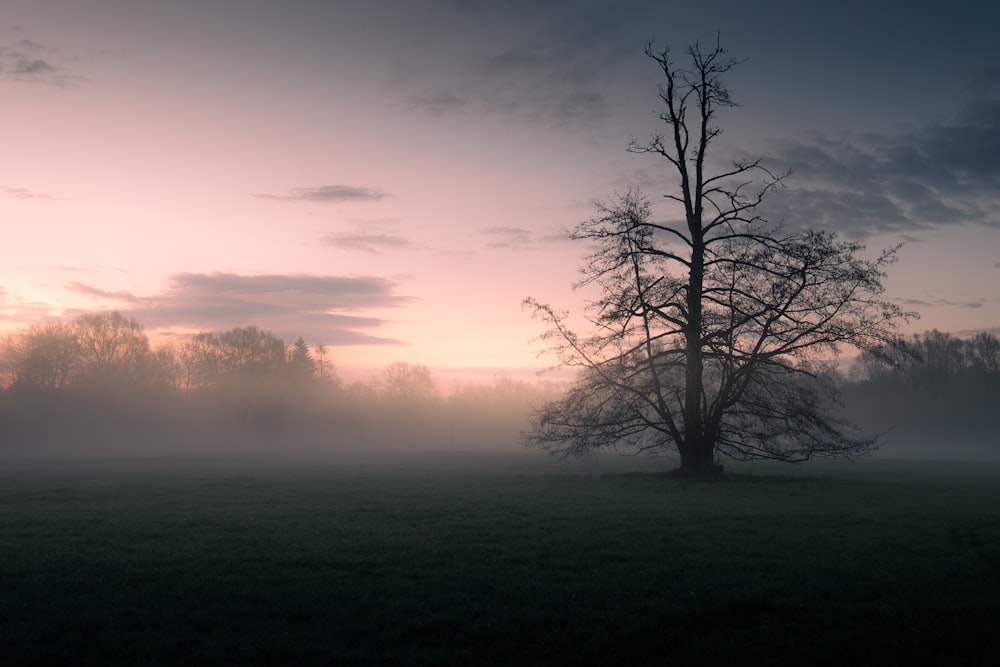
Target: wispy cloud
[[329, 193], [371, 243], [519, 237], [23, 193], [372, 236], [439, 102], [30, 61], [929, 302], [508, 237], [97, 293], [541, 72], [328, 309]]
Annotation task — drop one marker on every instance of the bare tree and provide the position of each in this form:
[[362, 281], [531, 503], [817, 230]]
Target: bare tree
[[43, 354], [114, 348], [715, 335], [239, 355], [405, 382], [326, 371]]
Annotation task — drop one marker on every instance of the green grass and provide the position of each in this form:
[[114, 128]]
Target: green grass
[[164, 563]]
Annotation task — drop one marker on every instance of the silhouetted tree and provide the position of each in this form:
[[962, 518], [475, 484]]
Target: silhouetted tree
[[325, 370], [249, 352], [985, 355], [239, 355], [940, 366], [714, 335], [44, 354], [114, 349], [942, 399], [300, 363]]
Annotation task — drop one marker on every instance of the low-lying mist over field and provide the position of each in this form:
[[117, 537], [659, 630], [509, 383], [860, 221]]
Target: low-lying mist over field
[[96, 387], [264, 419]]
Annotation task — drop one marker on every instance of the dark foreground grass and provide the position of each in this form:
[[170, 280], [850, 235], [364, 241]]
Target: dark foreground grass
[[159, 563]]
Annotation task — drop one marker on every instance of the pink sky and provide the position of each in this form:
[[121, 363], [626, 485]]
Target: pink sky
[[393, 181]]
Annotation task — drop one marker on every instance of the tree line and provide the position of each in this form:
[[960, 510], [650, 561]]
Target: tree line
[[97, 383], [109, 348], [936, 394]]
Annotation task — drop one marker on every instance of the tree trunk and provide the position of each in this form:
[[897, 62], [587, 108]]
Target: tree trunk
[[698, 450], [698, 462]]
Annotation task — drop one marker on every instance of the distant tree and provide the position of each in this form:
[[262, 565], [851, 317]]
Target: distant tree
[[300, 364], [325, 369], [165, 369], [985, 354], [250, 352], [944, 397], [401, 381], [114, 348], [716, 335], [43, 354], [200, 360], [239, 355], [940, 366]]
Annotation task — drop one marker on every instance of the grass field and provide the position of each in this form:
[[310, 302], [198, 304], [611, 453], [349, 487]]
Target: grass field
[[172, 562]]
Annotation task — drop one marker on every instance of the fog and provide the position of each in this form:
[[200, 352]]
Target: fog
[[96, 388], [262, 419]]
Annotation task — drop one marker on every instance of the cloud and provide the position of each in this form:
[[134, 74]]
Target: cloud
[[23, 193], [939, 301], [97, 293], [329, 193], [371, 236], [509, 237], [519, 237], [938, 175], [371, 243], [551, 67], [439, 102], [327, 309], [969, 333], [30, 61]]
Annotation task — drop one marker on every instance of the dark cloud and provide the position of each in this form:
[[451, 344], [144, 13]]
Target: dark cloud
[[941, 174], [30, 61], [330, 193], [551, 66], [325, 309], [939, 302]]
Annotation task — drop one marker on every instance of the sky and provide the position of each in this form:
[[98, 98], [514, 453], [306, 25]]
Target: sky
[[392, 179]]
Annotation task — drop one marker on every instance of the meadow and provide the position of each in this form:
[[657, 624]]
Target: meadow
[[487, 560]]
